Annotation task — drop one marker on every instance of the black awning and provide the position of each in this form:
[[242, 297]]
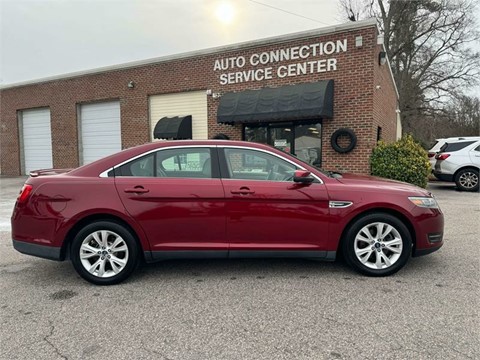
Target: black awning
[[291, 102], [176, 128]]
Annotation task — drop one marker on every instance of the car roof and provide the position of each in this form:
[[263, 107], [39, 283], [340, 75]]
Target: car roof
[[98, 166], [462, 141], [459, 138], [441, 142]]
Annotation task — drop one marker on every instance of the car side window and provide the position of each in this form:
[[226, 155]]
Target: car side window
[[175, 163], [257, 165], [184, 163], [477, 148], [141, 167], [449, 147]]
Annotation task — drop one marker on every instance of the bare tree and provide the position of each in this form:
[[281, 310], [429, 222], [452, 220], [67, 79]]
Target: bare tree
[[464, 112], [355, 9], [430, 44]]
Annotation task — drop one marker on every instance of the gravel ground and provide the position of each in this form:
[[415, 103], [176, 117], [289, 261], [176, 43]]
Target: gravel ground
[[248, 309]]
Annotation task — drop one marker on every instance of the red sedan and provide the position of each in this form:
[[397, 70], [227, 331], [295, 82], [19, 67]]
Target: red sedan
[[219, 199]]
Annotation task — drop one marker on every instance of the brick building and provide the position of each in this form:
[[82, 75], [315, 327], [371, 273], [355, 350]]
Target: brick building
[[293, 91]]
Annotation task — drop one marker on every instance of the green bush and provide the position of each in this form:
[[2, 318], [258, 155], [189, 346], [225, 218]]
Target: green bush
[[404, 160]]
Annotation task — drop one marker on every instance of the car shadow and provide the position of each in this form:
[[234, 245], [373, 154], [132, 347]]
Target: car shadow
[[441, 185], [239, 268]]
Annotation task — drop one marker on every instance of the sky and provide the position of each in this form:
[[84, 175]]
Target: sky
[[41, 38]]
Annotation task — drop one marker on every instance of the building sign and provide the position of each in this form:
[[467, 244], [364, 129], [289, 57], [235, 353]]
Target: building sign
[[313, 58]]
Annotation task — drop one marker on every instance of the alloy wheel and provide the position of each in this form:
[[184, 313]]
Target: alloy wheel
[[378, 245], [468, 179], [104, 253]]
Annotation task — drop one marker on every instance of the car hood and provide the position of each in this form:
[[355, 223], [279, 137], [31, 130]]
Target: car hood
[[379, 184]]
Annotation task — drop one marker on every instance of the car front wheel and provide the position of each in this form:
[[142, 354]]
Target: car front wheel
[[377, 245], [467, 180], [104, 253]]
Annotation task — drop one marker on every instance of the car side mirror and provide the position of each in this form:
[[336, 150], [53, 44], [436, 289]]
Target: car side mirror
[[303, 177]]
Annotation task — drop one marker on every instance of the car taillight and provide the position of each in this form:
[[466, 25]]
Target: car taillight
[[430, 155], [442, 156], [24, 193]]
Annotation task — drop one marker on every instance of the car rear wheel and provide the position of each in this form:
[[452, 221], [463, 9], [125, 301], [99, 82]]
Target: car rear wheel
[[467, 180], [104, 253], [377, 245]]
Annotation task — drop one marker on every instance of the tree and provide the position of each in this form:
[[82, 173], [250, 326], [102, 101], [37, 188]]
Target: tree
[[430, 47], [461, 117], [464, 113]]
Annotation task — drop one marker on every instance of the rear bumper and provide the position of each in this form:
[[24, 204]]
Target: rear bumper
[[46, 252], [443, 177]]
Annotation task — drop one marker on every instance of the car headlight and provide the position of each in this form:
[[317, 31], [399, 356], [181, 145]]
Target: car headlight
[[425, 202]]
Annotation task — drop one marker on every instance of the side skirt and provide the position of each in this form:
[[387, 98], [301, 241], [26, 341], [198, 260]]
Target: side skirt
[[154, 256]]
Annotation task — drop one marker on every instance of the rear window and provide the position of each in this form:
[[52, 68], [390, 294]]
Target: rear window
[[434, 146], [455, 146]]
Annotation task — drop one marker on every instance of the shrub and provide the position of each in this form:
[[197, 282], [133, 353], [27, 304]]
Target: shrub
[[404, 160]]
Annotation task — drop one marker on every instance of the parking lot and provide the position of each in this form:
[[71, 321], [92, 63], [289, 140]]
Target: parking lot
[[248, 309]]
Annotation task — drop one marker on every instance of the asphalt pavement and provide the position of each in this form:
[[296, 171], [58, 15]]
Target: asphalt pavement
[[248, 309]]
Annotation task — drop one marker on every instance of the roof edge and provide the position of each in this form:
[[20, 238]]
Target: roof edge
[[209, 51]]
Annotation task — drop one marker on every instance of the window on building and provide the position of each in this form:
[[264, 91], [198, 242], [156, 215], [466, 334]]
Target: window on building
[[303, 140], [307, 143]]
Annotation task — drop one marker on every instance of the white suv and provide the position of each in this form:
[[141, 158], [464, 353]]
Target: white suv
[[440, 142], [459, 161]]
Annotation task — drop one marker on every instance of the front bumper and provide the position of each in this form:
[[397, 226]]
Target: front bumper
[[46, 252], [421, 252], [429, 230]]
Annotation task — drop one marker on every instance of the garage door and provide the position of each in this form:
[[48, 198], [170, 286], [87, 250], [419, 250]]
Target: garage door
[[36, 139], [192, 103], [100, 130]]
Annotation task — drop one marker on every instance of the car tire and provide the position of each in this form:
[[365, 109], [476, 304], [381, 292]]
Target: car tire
[[377, 244], [104, 253], [467, 180], [343, 132]]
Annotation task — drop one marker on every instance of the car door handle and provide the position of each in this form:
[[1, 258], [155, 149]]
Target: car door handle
[[242, 191], [137, 190]]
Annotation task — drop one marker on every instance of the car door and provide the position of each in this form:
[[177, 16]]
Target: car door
[[266, 210], [475, 155], [176, 195]]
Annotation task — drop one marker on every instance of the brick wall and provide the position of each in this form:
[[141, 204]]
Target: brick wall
[[356, 103]]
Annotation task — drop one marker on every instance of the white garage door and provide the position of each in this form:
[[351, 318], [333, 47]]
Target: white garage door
[[192, 103], [36, 139], [100, 130]]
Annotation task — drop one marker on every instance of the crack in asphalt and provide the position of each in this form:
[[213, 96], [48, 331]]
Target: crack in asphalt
[[52, 329]]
